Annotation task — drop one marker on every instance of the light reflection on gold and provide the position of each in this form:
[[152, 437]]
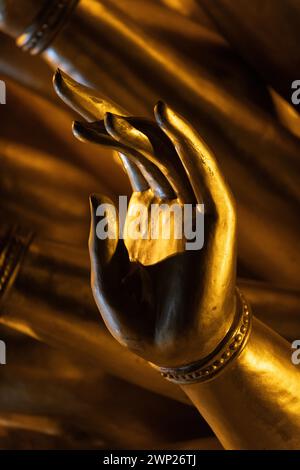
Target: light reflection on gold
[[135, 53]]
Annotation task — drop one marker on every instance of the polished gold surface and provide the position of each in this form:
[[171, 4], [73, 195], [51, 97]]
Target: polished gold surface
[[268, 380], [254, 404], [231, 347], [225, 69], [218, 94]]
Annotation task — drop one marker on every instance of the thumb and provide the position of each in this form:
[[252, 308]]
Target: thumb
[[104, 229], [108, 255]]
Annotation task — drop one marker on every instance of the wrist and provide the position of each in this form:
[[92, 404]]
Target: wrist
[[255, 403], [225, 353]]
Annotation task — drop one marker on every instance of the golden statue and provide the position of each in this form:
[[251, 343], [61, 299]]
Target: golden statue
[[183, 315], [182, 312]]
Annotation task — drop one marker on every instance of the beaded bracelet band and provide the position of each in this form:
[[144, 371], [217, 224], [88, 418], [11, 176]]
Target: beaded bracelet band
[[48, 23], [231, 346], [14, 247]]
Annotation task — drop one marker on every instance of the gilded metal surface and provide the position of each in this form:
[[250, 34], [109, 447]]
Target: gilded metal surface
[[47, 24], [158, 286], [273, 418], [255, 403], [217, 94], [172, 308], [231, 346], [157, 52]]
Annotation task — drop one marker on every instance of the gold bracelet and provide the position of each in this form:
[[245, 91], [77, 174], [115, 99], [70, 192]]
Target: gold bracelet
[[230, 348], [46, 26]]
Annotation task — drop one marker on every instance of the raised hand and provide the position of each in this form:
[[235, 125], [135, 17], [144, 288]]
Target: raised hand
[[170, 305]]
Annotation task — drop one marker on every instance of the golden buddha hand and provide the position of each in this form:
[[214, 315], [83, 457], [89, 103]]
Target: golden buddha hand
[[168, 304]]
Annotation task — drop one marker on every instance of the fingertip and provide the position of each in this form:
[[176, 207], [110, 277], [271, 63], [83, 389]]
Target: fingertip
[[109, 123], [58, 79], [94, 202], [97, 200], [165, 117], [170, 122], [93, 208], [160, 113], [114, 124], [78, 130], [63, 83]]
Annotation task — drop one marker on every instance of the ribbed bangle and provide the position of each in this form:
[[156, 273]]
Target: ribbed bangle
[[48, 23], [228, 350]]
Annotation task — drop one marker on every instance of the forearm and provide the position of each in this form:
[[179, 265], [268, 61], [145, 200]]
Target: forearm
[[255, 402]]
